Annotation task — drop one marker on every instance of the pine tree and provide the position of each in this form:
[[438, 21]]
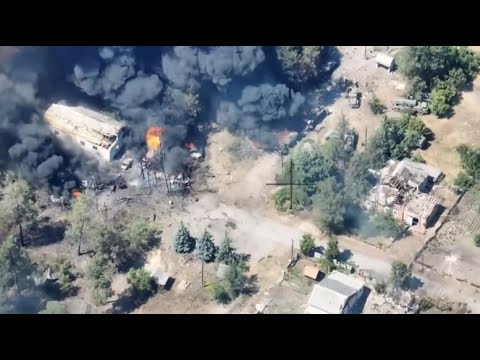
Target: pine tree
[[206, 249], [227, 253], [332, 251], [183, 242]]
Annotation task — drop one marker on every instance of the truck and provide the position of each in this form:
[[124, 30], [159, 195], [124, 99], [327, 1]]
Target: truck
[[127, 163], [353, 96], [411, 106]]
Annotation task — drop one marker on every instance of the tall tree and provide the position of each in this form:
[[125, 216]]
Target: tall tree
[[332, 251], [183, 241], [206, 249], [16, 268], [227, 253], [400, 275], [100, 272], [80, 223], [143, 284], [237, 279], [330, 202], [140, 235], [301, 64], [17, 207]]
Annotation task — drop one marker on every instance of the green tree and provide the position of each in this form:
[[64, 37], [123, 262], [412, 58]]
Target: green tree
[[237, 279], [206, 249], [112, 244], [307, 244], [440, 104], [142, 282], [357, 178], [65, 273], [400, 275], [17, 207], [219, 294], [55, 307], [16, 267], [140, 235], [476, 240], [183, 241], [332, 252], [470, 159], [463, 181], [80, 223], [227, 253], [301, 64], [383, 224], [99, 273], [330, 202]]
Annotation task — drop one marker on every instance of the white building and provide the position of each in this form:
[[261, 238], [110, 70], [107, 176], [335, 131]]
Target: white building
[[335, 294], [98, 134]]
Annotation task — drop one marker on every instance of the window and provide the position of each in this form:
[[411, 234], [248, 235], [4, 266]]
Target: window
[[94, 147], [81, 142]]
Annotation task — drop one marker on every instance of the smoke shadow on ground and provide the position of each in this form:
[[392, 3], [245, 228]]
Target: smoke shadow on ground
[[360, 303], [345, 255], [45, 233], [415, 283]]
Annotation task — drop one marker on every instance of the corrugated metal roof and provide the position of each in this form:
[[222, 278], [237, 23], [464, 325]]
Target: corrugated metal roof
[[84, 124]]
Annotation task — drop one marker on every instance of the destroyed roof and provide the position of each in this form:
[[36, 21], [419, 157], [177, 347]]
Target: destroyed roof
[[330, 295], [417, 169], [83, 123], [384, 195], [422, 205]]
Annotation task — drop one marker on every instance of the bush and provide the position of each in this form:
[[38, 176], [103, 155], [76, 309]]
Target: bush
[[219, 294], [476, 240], [65, 271], [183, 242], [54, 307], [332, 251], [425, 303], [400, 274], [376, 106], [326, 266], [463, 181], [418, 158], [383, 224], [142, 282], [307, 244]]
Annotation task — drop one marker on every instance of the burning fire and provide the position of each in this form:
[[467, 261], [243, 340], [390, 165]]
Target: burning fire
[[153, 138], [76, 193]]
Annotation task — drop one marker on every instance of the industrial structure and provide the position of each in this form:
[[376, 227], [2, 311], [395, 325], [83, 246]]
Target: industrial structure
[[96, 133]]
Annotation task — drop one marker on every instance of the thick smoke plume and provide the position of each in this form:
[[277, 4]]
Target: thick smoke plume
[[145, 86]]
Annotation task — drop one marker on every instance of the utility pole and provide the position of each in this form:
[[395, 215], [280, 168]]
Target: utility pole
[[291, 183], [292, 251], [365, 52], [366, 138], [105, 213], [202, 270]]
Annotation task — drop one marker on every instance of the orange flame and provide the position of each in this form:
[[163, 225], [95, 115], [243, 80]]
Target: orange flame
[[153, 137], [76, 193]]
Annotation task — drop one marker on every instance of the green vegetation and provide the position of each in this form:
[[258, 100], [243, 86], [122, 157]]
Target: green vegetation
[[442, 70], [307, 244], [16, 267], [237, 280], [183, 242], [64, 270], [476, 240], [331, 202], [99, 273], [425, 303], [470, 159], [383, 224], [463, 181], [418, 158], [80, 223], [332, 251], [326, 266], [17, 208], [55, 307], [301, 64], [205, 249], [143, 284], [376, 106], [400, 275], [219, 294], [227, 254]]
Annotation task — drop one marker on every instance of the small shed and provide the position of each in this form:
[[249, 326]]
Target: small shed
[[160, 277], [311, 272], [385, 61]]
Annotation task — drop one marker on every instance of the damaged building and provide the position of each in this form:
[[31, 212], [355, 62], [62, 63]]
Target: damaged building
[[404, 187], [96, 133]]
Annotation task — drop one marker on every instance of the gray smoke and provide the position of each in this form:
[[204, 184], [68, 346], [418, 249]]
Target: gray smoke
[[186, 67], [49, 166]]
